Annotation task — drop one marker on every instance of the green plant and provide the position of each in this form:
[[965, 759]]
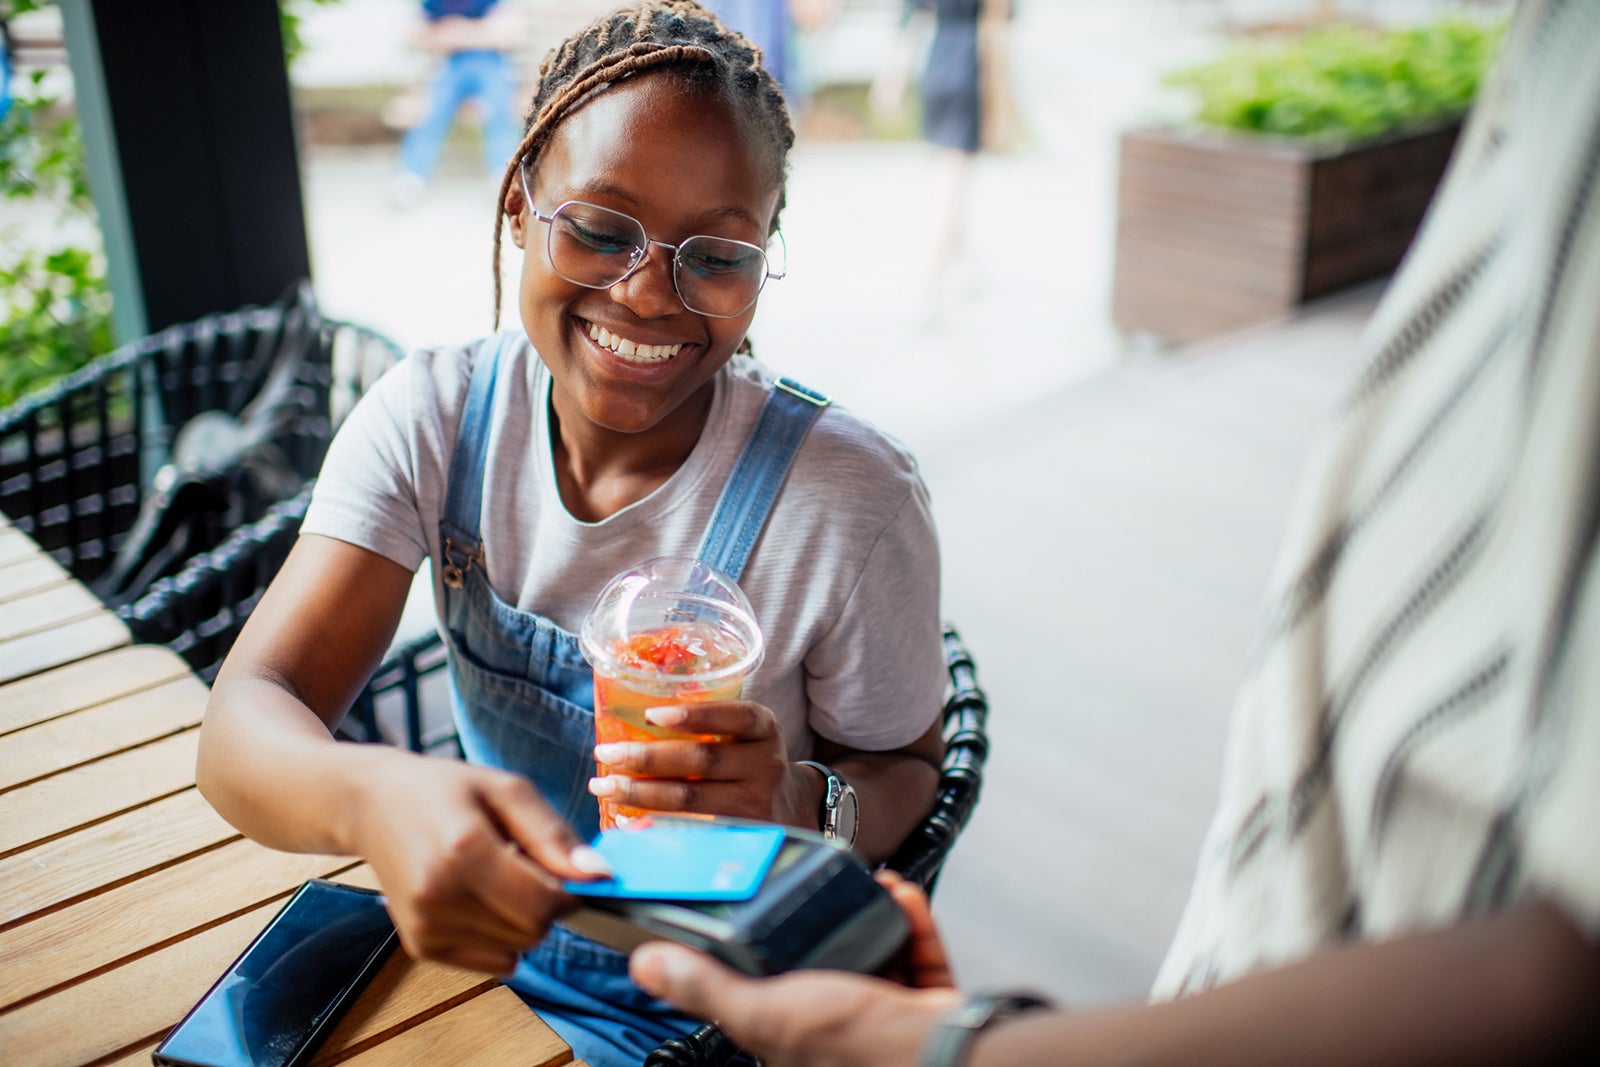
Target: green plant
[[55, 304], [55, 301], [289, 18], [1344, 82]]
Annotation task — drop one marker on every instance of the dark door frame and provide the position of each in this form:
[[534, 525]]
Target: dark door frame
[[190, 136]]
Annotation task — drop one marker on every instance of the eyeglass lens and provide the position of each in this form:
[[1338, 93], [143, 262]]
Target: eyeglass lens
[[597, 247]]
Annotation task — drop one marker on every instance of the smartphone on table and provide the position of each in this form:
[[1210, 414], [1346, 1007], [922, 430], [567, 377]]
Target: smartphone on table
[[280, 998]]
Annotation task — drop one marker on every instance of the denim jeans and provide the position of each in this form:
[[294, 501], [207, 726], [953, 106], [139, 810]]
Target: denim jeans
[[485, 76]]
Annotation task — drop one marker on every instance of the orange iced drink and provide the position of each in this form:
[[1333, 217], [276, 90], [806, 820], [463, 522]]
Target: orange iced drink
[[672, 630], [679, 657]]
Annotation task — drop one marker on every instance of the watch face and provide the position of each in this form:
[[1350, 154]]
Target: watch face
[[847, 816]]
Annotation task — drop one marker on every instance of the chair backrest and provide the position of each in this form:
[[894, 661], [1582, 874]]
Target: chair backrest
[[199, 611], [410, 678], [77, 458], [390, 709], [921, 856], [199, 608]]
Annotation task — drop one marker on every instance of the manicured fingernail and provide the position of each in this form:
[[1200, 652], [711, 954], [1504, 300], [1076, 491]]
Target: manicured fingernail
[[670, 715], [589, 861], [602, 787], [611, 752]]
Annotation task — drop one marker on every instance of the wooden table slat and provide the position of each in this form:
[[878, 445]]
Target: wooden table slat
[[86, 683], [32, 813], [493, 1028], [23, 577], [46, 609], [67, 643], [134, 1004], [63, 743], [138, 1056], [16, 545], [148, 912], [123, 895], [123, 847], [401, 993]]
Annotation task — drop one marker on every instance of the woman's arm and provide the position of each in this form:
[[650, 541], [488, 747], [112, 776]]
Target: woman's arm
[[894, 789], [470, 857], [1518, 988], [267, 762]]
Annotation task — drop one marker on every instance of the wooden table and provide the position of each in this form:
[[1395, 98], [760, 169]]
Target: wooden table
[[123, 895]]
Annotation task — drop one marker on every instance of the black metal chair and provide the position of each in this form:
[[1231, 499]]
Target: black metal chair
[[410, 678], [199, 611], [165, 474], [921, 857]]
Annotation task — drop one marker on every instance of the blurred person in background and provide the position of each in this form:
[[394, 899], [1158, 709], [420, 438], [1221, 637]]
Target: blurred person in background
[[472, 39], [965, 108], [773, 25], [5, 67], [1404, 866]]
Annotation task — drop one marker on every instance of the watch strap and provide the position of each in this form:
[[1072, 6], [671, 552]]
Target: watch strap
[[832, 793], [951, 1038]]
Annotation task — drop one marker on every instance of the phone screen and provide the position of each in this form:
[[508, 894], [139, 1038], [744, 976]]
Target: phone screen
[[290, 985]]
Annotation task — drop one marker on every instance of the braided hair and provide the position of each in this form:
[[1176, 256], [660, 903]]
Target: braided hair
[[676, 35]]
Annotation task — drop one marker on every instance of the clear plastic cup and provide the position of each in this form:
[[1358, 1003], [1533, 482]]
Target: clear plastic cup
[[672, 630]]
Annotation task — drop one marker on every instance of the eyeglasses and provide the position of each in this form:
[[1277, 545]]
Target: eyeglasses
[[597, 248]]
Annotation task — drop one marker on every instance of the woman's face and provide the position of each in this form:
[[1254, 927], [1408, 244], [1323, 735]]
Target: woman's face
[[677, 160]]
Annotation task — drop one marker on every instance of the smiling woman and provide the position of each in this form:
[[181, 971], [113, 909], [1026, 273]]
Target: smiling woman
[[625, 420], [627, 147]]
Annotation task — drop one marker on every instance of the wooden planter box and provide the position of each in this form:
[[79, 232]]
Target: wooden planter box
[[1217, 232]]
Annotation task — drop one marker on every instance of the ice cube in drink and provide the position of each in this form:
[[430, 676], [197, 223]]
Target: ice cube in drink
[[666, 666]]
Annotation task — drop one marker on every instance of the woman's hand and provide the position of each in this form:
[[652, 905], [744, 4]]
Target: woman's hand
[[816, 1018], [805, 1018], [471, 859], [746, 774]]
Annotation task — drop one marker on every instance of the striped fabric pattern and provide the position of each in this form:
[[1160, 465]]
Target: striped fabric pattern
[[1418, 736]]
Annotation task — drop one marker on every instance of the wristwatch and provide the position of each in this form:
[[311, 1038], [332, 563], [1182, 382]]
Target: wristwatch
[[951, 1038], [841, 813]]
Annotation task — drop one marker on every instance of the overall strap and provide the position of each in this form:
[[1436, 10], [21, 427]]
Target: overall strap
[[758, 474], [464, 498]]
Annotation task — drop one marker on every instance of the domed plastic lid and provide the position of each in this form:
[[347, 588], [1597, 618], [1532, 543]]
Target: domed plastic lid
[[672, 616]]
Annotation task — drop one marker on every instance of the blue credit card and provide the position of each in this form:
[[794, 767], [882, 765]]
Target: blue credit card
[[683, 860]]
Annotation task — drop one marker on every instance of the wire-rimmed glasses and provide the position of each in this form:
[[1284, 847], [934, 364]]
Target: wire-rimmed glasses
[[597, 248]]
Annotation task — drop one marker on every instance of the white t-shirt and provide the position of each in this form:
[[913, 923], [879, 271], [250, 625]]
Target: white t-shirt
[[844, 579]]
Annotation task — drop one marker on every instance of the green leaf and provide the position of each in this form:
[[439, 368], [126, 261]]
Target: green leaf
[[1343, 82]]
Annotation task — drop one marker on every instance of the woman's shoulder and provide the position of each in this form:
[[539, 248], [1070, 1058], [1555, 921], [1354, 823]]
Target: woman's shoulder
[[842, 453], [839, 436], [436, 378]]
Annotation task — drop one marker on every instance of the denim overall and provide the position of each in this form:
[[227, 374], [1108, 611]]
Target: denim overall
[[524, 701]]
